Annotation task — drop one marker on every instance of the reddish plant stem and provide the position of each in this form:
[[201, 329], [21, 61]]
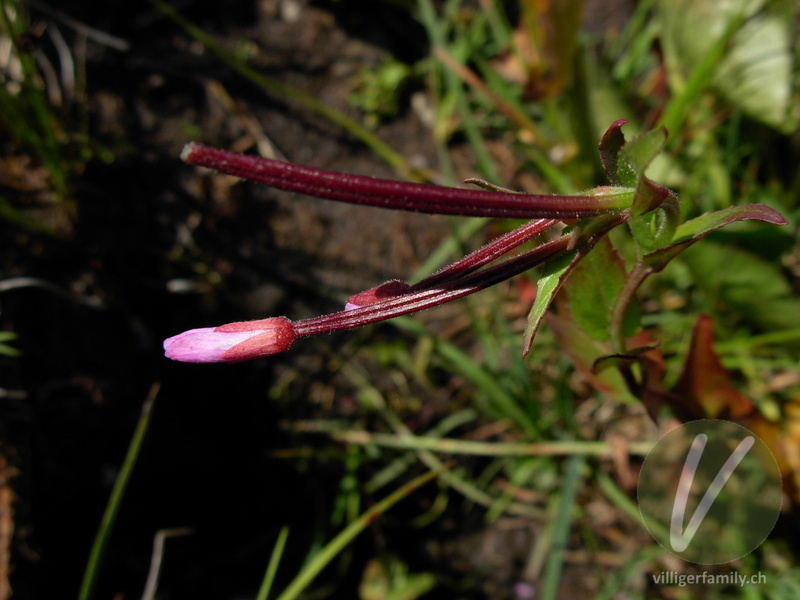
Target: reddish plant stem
[[434, 296], [398, 195], [490, 252]]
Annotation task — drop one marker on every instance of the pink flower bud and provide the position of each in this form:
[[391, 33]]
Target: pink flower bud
[[233, 342], [389, 289]]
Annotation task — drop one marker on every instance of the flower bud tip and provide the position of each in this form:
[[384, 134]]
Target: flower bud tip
[[234, 342], [388, 289]]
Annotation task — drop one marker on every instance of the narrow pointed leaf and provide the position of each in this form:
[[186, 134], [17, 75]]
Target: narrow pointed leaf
[[609, 147], [553, 275], [691, 231], [625, 164], [636, 155], [708, 222]]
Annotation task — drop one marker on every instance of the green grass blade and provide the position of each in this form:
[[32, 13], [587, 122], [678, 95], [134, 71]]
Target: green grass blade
[[463, 230], [503, 403], [272, 567], [348, 534], [561, 527], [9, 213], [399, 465], [621, 500], [631, 570], [29, 117], [436, 35], [678, 107], [500, 402], [442, 445], [115, 500], [463, 486]]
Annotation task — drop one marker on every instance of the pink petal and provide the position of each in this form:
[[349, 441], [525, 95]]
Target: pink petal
[[204, 345]]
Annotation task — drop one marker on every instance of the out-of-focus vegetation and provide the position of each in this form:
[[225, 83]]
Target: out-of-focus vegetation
[[533, 458]]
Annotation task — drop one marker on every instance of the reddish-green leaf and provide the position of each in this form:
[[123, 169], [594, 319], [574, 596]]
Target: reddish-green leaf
[[610, 145], [637, 154], [593, 288], [625, 164], [691, 231]]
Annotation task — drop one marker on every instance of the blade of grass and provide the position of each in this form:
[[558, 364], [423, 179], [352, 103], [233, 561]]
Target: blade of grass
[[396, 467], [475, 448], [561, 527], [428, 17], [540, 549], [633, 43], [501, 403], [463, 230], [498, 22], [621, 500], [5, 349], [12, 215], [786, 336], [33, 123], [115, 499], [272, 567], [348, 534], [678, 107], [159, 543], [371, 397], [519, 474], [512, 112]]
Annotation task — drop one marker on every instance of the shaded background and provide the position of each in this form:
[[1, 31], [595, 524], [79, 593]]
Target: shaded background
[[152, 247], [145, 247]]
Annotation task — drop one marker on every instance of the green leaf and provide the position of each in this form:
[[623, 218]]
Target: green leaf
[[656, 227], [553, 275], [626, 162], [636, 155], [634, 158], [345, 537], [593, 288], [708, 222], [502, 403], [610, 145], [625, 165], [583, 351], [691, 231], [388, 578]]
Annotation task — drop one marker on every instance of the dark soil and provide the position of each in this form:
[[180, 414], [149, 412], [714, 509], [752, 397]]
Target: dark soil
[[151, 247]]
